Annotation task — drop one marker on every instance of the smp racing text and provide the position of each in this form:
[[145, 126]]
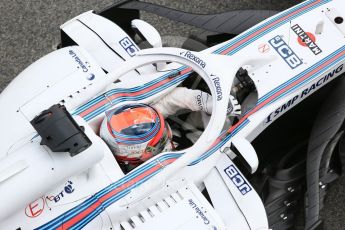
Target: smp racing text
[[304, 94]]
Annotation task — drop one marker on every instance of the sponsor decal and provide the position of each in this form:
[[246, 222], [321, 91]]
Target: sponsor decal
[[304, 42], [84, 213], [284, 50], [199, 102], [128, 46], [202, 101], [199, 211], [303, 94], [264, 48], [68, 189], [90, 77], [35, 208], [132, 151], [219, 92], [306, 39], [78, 61], [195, 58], [237, 179], [281, 109]]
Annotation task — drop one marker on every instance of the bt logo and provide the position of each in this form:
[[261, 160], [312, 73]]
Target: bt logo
[[68, 189]]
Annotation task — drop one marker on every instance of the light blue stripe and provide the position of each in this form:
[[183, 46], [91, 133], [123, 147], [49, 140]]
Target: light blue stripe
[[107, 106], [111, 200], [138, 171], [246, 43], [236, 40], [90, 201], [137, 139], [129, 176], [95, 213], [269, 30], [263, 98], [184, 67], [127, 98], [134, 89], [317, 74], [126, 191], [156, 124]]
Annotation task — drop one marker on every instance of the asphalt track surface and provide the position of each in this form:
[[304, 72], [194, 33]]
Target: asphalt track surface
[[30, 29]]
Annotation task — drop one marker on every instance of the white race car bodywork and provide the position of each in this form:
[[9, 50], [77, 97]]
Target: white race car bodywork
[[41, 189]]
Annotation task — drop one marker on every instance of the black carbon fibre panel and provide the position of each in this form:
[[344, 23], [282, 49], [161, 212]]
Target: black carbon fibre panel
[[231, 22]]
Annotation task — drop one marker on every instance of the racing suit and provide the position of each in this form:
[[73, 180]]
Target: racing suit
[[195, 100]]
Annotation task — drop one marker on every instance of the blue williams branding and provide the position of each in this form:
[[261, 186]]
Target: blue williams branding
[[219, 92], [194, 58]]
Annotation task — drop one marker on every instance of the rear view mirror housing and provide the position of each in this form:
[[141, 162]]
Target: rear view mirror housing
[[246, 153]]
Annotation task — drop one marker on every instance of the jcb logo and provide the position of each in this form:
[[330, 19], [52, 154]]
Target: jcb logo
[[237, 179], [285, 52], [128, 46]]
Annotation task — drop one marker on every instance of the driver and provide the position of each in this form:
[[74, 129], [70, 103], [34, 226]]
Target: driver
[[137, 132]]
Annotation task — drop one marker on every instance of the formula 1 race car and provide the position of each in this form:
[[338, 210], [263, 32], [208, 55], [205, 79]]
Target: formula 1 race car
[[253, 169]]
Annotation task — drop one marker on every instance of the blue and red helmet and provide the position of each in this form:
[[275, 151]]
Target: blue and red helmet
[[135, 133]]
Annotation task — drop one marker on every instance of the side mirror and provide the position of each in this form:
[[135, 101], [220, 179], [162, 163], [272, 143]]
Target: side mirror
[[245, 152], [148, 33]]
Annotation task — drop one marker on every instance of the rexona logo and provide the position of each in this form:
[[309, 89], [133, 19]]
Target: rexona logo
[[218, 88], [285, 52], [128, 46], [306, 39], [237, 179], [195, 58]]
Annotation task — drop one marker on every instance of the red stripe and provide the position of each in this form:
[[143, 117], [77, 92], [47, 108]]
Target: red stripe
[[112, 193], [81, 215], [159, 135], [94, 107], [99, 104], [141, 91], [187, 70], [267, 27], [262, 104], [149, 88]]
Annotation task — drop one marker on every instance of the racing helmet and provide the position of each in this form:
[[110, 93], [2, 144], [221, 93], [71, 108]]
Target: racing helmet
[[135, 133]]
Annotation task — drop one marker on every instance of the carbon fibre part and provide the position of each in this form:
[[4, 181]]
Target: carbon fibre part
[[231, 22]]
